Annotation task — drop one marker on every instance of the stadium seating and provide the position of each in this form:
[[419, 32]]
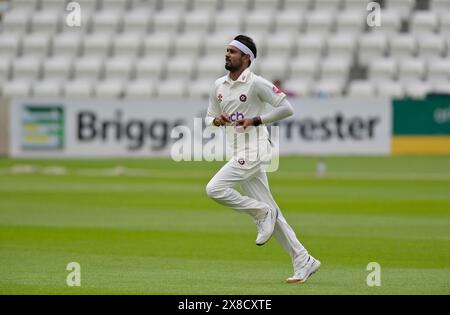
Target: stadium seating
[[175, 48]]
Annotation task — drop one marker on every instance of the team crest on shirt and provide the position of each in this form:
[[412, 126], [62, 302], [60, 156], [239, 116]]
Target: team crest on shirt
[[243, 97], [220, 98], [241, 161]]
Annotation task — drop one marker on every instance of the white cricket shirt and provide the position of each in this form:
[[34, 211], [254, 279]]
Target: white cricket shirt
[[244, 98]]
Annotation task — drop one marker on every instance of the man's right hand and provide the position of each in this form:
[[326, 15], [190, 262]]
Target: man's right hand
[[222, 119]]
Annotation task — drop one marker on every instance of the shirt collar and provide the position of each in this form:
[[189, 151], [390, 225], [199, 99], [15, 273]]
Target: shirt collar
[[242, 78]]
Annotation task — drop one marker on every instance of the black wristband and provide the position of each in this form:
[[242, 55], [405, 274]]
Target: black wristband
[[257, 121]]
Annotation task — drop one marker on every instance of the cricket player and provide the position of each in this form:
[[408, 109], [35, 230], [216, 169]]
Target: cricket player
[[237, 102]]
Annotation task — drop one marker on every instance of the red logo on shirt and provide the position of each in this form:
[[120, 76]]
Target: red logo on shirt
[[276, 90], [243, 97], [219, 98]]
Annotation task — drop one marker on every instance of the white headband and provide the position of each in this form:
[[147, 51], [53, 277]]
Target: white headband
[[242, 48]]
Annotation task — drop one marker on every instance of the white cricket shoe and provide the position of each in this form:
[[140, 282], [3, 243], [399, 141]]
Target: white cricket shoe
[[305, 271], [266, 224]]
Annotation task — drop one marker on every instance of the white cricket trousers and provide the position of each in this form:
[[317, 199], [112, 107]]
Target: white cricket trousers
[[255, 186]]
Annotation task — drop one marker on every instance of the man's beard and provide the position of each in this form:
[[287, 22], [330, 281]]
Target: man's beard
[[230, 67]]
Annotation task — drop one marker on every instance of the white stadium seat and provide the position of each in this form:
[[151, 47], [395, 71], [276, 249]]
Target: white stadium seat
[[439, 70], [66, 45], [17, 88], [441, 87], [208, 5], [440, 5], [171, 89], [319, 22], [10, 45], [424, 22], [78, 89], [402, 45], [310, 45], [417, 89], [167, 22], [259, 22], [304, 67], [272, 5], [36, 45], [391, 22], [341, 45], [140, 89], [127, 45], [357, 5], [57, 68], [390, 89], [181, 67], [235, 5], [198, 22], [371, 47], [431, 46], [158, 45], [327, 5], [403, 7], [45, 22], [174, 5], [217, 45], [26, 5], [289, 22], [16, 21], [297, 5], [383, 69], [335, 68], [109, 89], [116, 5], [348, 22], [411, 69], [328, 88], [281, 45], [361, 88], [302, 87], [150, 68], [89, 6], [47, 89], [119, 68], [445, 23], [199, 89], [273, 67], [188, 45], [26, 68], [210, 68], [52, 6], [151, 5], [136, 21], [89, 68], [106, 21], [97, 44], [228, 22]]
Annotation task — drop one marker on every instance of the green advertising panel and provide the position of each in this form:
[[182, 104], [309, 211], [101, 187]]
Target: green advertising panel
[[422, 117], [42, 127]]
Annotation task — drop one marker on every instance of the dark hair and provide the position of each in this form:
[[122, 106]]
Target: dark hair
[[247, 41]]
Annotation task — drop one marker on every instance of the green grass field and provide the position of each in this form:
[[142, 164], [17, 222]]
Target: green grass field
[[152, 230]]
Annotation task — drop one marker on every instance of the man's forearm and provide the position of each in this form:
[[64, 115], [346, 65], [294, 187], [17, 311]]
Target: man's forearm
[[278, 113]]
